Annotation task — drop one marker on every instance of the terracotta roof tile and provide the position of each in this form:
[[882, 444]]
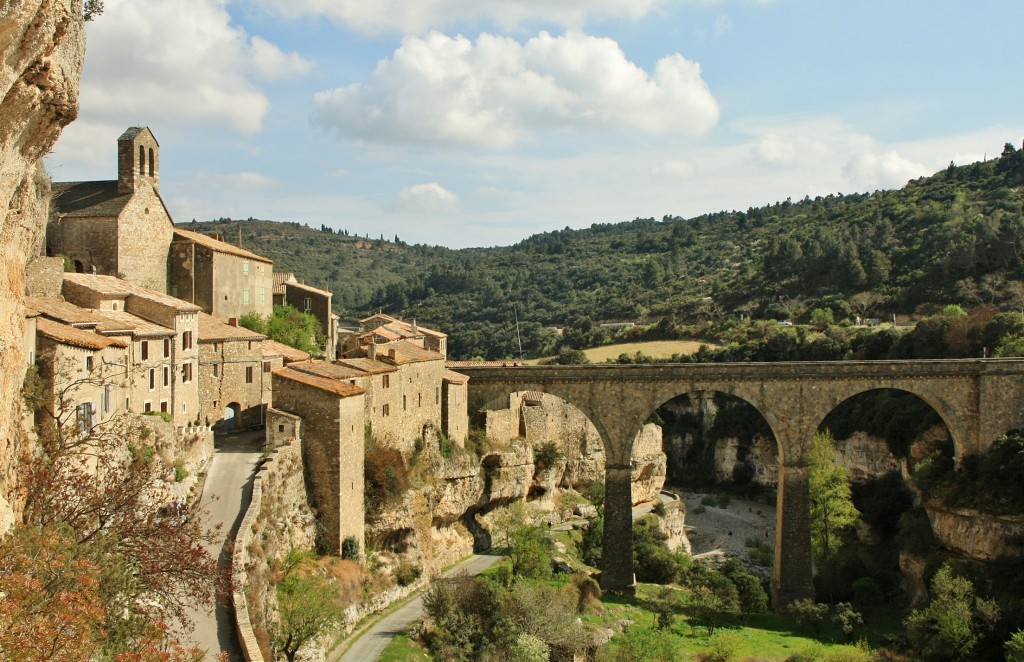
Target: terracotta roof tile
[[119, 320], [115, 287], [217, 245], [212, 329], [309, 288], [329, 370], [280, 278], [455, 377], [371, 366], [341, 389], [403, 352], [483, 364], [62, 311], [69, 335], [274, 348]]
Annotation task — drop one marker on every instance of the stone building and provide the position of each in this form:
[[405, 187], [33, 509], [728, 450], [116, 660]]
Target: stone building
[[84, 375], [173, 381], [234, 376], [454, 411], [309, 299], [116, 227], [331, 415], [224, 280], [381, 329]]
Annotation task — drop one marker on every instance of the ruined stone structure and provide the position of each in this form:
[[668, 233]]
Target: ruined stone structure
[[977, 399]]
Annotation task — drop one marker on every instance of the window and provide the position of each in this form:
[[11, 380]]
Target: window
[[403, 404], [186, 372], [215, 370], [88, 363], [280, 427], [167, 348], [186, 340], [263, 295], [142, 160], [152, 378], [147, 407], [86, 417], [266, 366], [386, 410], [245, 297], [420, 397], [248, 374], [437, 395], [163, 406], [386, 381], [167, 376], [151, 159], [245, 267], [144, 349], [307, 304]]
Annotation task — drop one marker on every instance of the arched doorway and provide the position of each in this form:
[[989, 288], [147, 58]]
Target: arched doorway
[[232, 417]]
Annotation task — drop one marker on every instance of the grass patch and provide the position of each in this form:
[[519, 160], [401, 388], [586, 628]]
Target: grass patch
[[657, 349], [403, 649]]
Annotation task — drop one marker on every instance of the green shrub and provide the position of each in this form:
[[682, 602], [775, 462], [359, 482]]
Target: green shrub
[[546, 455], [867, 592], [723, 647], [386, 477], [407, 573], [350, 548], [659, 508], [180, 472]]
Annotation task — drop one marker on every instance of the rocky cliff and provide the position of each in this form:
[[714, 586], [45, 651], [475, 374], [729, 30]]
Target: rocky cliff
[[42, 43]]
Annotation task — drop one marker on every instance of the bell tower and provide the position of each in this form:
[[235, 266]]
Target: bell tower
[[138, 159]]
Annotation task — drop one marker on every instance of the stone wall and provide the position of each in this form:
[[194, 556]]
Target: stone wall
[[413, 398], [90, 243], [144, 232], [232, 276]]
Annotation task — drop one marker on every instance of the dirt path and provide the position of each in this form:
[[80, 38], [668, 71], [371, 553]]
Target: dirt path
[[717, 531]]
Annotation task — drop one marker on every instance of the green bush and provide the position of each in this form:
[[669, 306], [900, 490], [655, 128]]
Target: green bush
[[723, 647], [546, 455], [867, 592], [407, 573], [180, 472], [350, 548]]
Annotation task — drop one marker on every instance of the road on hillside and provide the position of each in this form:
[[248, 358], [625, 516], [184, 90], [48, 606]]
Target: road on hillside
[[372, 643], [226, 495]]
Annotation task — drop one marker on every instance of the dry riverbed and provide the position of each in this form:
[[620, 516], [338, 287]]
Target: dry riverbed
[[719, 531]]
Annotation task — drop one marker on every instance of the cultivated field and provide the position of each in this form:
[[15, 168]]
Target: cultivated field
[[659, 349]]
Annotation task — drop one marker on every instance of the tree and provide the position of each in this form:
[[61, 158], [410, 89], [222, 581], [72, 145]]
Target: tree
[[847, 618], [530, 551], [290, 326], [951, 623], [809, 613], [712, 599], [832, 509], [1015, 647], [307, 608]]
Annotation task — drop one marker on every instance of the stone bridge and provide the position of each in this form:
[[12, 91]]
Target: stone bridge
[[977, 399]]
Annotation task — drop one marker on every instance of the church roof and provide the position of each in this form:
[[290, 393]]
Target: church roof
[[88, 199], [133, 131], [217, 245]]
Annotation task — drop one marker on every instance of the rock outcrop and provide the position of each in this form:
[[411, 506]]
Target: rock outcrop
[[42, 43], [976, 535]]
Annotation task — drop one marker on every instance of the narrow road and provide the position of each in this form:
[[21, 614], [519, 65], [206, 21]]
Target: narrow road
[[372, 643], [226, 496]]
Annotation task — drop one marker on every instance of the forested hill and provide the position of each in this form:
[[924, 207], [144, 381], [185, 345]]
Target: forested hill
[[954, 237]]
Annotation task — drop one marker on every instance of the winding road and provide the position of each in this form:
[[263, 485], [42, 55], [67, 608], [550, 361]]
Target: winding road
[[226, 495]]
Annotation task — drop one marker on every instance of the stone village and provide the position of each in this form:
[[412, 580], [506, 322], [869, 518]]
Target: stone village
[[129, 314]]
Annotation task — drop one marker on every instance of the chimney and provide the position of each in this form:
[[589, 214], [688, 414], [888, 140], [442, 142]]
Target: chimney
[[372, 350], [414, 329], [233, 321]]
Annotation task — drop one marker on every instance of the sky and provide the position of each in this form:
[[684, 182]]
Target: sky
[[481, 122]]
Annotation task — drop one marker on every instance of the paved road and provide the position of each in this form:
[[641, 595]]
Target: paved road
[[372, 643], [226, 495]]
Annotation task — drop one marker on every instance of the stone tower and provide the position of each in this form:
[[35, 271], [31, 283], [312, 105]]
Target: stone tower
[[138, 160]]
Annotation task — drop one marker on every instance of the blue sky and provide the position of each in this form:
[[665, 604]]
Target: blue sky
[[481, 122]]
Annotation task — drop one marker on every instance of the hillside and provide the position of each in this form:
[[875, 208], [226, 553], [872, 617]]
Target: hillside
[[954, 237]]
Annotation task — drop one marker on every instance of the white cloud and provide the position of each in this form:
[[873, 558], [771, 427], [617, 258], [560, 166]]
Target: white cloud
[[403, 16], [274, 64], [178, 61], [723, 25], [427, 198], [678, 169], [246, 180], [496, 92], [871, 170]]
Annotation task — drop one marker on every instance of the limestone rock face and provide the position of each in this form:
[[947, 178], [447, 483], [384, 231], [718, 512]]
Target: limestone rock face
[[865, 456], [760, 458], [650, 465], [673, 525], [42, 44], [974, 534]]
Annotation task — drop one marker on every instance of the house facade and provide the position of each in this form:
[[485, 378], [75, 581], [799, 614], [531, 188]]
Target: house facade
[[234, 377], [222, 279]]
